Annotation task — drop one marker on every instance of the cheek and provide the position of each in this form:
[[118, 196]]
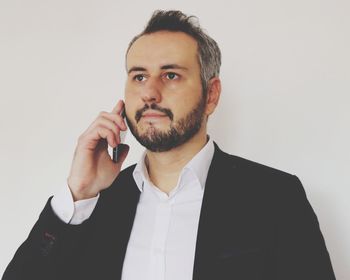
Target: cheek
[[132, 100], [183, 108], [129, 91], [189, 99]]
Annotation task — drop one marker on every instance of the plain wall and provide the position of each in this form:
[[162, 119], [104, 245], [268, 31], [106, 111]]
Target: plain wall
[[285, 99]]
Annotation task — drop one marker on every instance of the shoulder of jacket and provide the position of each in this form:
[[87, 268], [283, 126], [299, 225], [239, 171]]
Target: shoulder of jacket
[[249, 167]]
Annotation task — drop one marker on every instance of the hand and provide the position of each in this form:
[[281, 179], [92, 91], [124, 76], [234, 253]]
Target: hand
[[92, 168]]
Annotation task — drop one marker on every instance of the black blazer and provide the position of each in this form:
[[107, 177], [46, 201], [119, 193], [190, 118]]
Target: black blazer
[[255, 224]]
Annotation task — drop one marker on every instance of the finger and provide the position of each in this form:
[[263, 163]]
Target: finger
[[108, 135], [103, 122], [93, 137], [110, 121], [118, 108], [117, 119]]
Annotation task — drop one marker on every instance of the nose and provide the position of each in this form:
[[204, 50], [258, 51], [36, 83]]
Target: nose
[[151, 92]]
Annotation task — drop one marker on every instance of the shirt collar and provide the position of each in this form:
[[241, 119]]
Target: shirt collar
[[198, 165]]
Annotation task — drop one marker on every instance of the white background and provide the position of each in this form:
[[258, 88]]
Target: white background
[[285, 99]]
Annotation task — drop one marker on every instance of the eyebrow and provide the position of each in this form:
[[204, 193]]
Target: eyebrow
[[173, 66], [136, 69], [164, 67]]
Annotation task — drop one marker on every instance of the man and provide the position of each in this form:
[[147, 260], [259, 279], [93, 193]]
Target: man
[[187, 210]]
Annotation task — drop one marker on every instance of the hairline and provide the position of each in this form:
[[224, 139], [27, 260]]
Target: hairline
[[160, 31]]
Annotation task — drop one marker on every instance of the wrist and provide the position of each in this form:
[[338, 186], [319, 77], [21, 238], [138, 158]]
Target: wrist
[[80, 193]]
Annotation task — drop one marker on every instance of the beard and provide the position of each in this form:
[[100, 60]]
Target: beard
[[178, 133]]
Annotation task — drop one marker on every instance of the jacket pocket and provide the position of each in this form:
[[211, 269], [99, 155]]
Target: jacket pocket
[[242, 264]]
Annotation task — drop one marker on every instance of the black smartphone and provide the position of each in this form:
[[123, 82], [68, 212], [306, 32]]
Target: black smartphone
[[116, 150]]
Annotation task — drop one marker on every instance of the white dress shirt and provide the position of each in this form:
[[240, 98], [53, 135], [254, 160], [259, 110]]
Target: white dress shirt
[[163, 238]]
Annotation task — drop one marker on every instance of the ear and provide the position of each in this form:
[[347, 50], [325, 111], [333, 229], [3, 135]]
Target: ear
[[213, 95]]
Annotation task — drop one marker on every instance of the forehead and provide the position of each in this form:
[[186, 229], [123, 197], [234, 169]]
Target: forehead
[[161, 48]]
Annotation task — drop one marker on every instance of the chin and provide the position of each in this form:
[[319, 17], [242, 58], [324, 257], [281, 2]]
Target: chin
[[151, 128]]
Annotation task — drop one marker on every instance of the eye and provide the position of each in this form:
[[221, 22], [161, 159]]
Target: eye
[[171, 76], [139, 78]]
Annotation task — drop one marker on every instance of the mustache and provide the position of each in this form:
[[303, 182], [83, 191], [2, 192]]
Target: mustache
[[154, 107]]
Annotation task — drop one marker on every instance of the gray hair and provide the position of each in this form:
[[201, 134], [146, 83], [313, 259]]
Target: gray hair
[[209, 55]]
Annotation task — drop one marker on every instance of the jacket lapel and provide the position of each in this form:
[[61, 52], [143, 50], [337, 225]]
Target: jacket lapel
[[115, 213], [211, 218]]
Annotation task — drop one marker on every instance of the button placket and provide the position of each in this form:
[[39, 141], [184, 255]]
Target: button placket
[[161, 229]]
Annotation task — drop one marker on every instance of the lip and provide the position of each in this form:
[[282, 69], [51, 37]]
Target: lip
[[153, 115]]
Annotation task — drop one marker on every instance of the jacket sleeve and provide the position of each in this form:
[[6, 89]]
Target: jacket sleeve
[[49, 251], [301, 251]]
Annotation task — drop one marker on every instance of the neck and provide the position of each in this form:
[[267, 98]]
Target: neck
[[164, 168]]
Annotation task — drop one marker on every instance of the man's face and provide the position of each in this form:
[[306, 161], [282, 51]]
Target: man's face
[[163, 94]]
